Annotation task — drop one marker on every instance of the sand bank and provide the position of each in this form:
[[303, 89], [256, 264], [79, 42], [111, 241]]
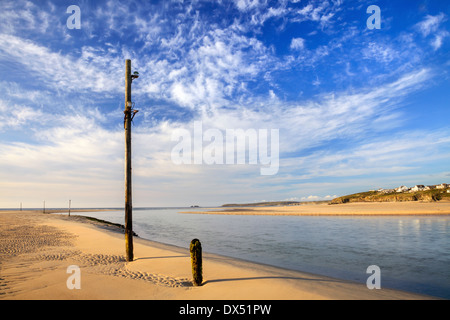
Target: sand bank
[[36, 249], [348, 209]]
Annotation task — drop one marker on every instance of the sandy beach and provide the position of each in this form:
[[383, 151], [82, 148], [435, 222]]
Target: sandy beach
[[36, 250], [348, 209]]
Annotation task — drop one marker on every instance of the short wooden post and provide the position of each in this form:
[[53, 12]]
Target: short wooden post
[[196, 259]]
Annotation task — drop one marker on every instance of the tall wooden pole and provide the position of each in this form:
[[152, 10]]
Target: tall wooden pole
[[69, 206], [128, 202]]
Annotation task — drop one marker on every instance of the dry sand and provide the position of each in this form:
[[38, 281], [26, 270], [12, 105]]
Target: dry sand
[[348, 209], [36, 249]]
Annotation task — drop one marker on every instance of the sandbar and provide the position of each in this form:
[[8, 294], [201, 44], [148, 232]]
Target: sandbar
[[347, 209]]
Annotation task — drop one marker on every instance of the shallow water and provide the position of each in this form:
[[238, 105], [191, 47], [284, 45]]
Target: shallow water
[[413, 252]]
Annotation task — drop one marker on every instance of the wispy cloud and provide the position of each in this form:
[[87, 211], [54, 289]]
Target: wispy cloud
[[62, 71], [431, 26], [379, 156], [23, 15], [13, 116], [297, 43]]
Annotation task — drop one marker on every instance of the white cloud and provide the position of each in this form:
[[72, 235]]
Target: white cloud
[[297, 43], [430, 24], [13, 116], [257, 12], [380, 52], [305, 10], [211, 74], [74, 156], [344, 114], [65, 72], [378, 156], [310, 198], [439, 39], [21, 15], [246, 5], [320, 12], [317, 198]]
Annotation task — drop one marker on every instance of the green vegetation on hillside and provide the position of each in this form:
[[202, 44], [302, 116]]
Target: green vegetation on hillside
[[376, 196]]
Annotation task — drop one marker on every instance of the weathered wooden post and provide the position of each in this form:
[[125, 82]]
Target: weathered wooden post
[[196, 259], [128, 202], [69, 206]]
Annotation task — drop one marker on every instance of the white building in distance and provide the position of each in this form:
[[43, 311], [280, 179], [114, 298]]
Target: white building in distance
[[419, 187], [402, 189]]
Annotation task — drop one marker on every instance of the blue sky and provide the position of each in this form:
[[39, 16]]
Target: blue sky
[[356, 108]]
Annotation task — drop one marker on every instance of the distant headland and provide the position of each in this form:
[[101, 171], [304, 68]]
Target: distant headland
[[431, 193], [440, 192]]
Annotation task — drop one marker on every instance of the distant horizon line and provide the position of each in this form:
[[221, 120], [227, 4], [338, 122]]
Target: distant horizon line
[[154, 207]]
